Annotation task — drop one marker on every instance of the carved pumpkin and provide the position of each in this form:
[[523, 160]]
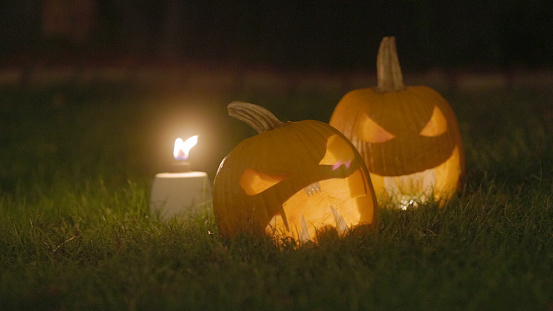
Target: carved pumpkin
[[291, 180], [408, 135]]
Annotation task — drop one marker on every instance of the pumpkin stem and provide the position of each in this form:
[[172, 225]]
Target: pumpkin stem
[[387, 67], [259, 118]]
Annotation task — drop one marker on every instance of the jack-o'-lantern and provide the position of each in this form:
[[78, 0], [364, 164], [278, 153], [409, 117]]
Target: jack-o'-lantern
[[408, 135], [291, 180]]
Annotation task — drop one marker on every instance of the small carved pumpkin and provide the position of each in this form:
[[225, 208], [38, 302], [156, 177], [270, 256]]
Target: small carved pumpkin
[[408, 136], [291, 180]]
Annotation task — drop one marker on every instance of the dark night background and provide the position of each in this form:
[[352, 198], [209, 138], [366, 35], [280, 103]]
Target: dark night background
[[330, 35]]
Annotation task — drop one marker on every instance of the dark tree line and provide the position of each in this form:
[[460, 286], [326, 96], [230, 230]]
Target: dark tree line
[[312, 34]]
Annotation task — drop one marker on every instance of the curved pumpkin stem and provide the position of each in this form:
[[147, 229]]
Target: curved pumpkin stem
[[388, 70], [259, 118]]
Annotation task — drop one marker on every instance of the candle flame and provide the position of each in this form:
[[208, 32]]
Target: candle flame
[[182, 148]]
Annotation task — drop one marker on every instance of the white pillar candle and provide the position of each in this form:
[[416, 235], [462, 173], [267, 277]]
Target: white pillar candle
[[179, 193]]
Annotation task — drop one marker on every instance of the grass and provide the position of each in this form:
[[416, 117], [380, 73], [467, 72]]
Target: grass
[[76, 168]]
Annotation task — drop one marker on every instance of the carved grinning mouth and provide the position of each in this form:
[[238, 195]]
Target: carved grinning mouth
[[325, 203], [409, 190]]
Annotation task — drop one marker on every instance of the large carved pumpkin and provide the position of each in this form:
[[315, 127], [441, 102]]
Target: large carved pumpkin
[[291, 180], [408, 135]]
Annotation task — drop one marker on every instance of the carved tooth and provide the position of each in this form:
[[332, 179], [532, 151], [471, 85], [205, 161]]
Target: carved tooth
[[312, 189], [304, 234], [341, 225], [317, 187]]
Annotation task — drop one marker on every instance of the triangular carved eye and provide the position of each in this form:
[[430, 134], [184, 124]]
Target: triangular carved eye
[[338, 152], [437, 125], [254, 182], [370, 131]]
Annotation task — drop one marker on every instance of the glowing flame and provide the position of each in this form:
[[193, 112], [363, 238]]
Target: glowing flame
[[182, 148]]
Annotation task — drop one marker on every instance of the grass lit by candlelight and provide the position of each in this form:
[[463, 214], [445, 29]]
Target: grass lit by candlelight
[[76, 167]]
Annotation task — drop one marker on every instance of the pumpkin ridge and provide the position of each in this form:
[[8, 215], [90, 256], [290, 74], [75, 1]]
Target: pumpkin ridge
[[420, 116]]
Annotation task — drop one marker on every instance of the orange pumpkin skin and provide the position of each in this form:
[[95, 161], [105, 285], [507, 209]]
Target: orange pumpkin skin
[[408, 136], [292, 180]]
